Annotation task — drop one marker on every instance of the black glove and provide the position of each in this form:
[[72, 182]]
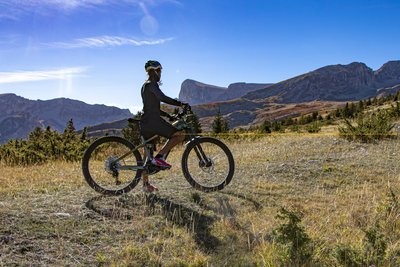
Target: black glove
[[170, 117], [185, 105]]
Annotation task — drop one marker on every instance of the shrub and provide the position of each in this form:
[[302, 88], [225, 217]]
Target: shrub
[[43, 146], [292, 235], [313, 127], [372, 253], [368, 127], [132, 131]]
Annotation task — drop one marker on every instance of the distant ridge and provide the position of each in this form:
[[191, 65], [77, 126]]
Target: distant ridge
[[333, 83], [19, 116], [195, 92]]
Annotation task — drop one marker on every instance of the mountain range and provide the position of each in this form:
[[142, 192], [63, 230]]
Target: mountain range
[[326, 87], [19, 116], [241, 104]]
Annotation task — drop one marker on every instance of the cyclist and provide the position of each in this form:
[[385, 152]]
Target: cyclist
[[151, 122]]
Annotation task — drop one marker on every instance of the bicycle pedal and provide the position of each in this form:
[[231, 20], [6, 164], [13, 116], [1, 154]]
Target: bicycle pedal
[[164, 168]]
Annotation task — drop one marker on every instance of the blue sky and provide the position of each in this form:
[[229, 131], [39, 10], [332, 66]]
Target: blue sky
[[95, 50]]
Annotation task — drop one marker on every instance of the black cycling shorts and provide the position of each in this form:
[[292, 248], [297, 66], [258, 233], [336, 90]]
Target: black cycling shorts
[[157, 127]]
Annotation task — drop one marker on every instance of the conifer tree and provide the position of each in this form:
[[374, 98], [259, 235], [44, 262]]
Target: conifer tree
[[265, 127], [219, 125], [84, 134], [69, 131], [132, 130], [314, 115], [360, 106], [194, 122]]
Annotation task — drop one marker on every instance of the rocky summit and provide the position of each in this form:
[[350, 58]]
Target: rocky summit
[[19, 116], [350, 82], [195, 92]]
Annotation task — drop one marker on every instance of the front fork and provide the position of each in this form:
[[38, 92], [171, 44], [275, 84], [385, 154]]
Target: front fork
[[204, 161]]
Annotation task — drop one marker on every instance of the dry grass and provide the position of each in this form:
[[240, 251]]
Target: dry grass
[[50, 216]]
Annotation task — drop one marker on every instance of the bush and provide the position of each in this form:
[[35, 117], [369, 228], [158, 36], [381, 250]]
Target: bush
[[45, 145], [292, 236], [372, 253], [368, 127], [313, 127]]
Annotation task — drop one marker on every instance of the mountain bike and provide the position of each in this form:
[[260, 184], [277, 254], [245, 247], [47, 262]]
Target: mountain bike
[[112, 165]]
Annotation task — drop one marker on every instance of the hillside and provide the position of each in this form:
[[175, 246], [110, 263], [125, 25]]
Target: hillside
[[19, 116], [340, 191]]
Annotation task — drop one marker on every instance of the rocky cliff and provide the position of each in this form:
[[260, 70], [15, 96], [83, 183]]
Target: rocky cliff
[[19, 116], [195, 92], [332, 83]]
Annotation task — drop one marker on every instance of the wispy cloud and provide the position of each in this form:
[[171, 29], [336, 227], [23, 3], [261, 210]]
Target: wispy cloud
[[55, 4], [16, 8], [105, 41], [30, 76]]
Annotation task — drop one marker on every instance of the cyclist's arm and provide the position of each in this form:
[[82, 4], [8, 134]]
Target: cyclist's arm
[[164, 114], [163, 98]]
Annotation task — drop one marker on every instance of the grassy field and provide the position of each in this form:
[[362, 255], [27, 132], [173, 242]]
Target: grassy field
[[346, 195]]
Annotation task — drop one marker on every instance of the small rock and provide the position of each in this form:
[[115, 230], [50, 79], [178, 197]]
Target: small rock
[[5, 239], [62, 214]]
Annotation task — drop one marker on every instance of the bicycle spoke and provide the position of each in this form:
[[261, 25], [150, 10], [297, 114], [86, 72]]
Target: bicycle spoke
[[104, 172]]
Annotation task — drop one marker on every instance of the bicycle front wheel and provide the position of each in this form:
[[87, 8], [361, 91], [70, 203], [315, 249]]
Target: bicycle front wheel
[[208, 164], [104, 172]]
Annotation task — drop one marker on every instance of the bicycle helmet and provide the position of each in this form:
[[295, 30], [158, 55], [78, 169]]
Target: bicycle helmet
[[152, 64]]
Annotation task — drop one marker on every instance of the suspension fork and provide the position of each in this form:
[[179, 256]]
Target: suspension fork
[[204, 160]]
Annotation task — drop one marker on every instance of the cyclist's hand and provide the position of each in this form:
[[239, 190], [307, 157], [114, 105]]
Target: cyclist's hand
[[171, 117], [185, 106]]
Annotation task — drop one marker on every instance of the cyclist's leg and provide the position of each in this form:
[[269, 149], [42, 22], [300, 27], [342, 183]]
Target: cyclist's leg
[[145, 176], [147, 187], [175, 139]]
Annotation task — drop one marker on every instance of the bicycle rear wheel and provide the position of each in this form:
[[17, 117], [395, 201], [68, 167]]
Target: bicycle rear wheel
[[104, 173], [208, 164]]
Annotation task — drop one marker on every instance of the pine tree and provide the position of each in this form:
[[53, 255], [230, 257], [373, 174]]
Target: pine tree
[[194, 122], [132, 130], [338, 112], [36, 134], [314, 115], [84, 134], [277, 126], [397, 96], [219, 125], [69, 130], [353, 109], [346, 110], [360, 106], [265, 127]]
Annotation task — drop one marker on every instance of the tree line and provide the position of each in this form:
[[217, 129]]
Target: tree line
[[43, 145]]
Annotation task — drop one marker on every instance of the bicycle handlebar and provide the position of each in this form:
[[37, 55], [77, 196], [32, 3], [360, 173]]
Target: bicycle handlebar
[[186, 110]]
